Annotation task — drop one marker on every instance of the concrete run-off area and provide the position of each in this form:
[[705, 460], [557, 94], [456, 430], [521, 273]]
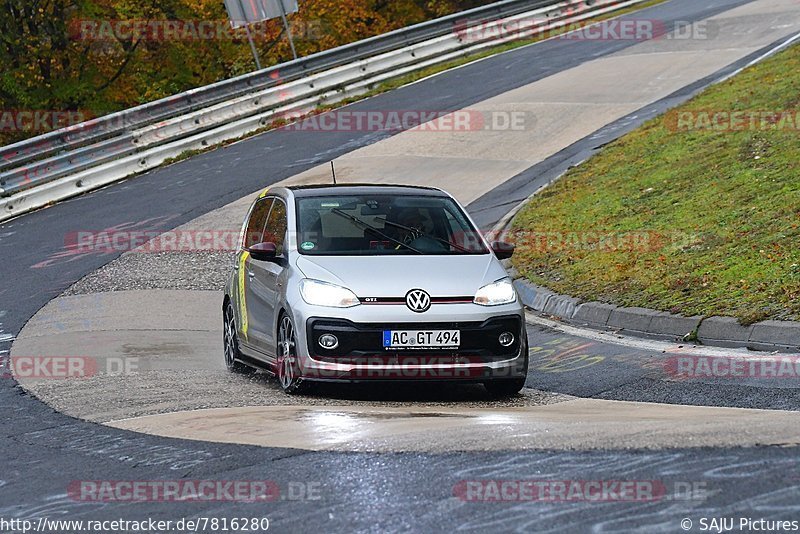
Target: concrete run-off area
[[580, 424]]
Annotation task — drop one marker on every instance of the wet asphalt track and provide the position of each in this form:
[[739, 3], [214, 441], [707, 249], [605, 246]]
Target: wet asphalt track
[[581, 367], [44, 451]]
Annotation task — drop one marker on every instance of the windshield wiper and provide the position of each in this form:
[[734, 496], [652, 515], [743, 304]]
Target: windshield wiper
[[376, 231], [423, 234]]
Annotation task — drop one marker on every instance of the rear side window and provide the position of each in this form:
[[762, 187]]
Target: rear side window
[[254, 233], [276, 226]]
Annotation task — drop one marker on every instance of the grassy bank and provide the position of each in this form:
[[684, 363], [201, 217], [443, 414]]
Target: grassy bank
[[697, 212]]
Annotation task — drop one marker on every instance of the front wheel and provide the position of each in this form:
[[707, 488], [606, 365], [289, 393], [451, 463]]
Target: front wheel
[[505, 387], [287, 367]]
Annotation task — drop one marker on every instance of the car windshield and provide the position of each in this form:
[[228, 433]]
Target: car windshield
[[383, 225]]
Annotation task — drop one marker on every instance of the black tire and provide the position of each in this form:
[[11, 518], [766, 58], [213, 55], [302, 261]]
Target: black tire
[[287, 370], [504, 387], [230, 341]]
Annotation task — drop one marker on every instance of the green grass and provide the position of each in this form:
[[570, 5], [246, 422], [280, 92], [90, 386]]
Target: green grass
[[721, 208]]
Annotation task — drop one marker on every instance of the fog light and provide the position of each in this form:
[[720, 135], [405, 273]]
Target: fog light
[[506, 339], [328, 341]]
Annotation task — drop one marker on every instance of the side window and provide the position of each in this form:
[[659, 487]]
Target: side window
[[276, 225], [254, 232]]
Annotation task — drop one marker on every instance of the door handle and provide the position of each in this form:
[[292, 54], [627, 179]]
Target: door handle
[[251, 274]]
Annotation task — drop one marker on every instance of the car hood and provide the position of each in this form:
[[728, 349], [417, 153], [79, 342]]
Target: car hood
[[394, 276]]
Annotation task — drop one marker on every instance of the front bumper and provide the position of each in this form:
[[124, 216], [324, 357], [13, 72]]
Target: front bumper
[[361, 356]]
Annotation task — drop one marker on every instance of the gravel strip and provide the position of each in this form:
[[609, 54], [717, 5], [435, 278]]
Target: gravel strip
[[201, 271]]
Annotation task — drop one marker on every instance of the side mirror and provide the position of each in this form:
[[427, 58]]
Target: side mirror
[[503, 250], [263, 251]]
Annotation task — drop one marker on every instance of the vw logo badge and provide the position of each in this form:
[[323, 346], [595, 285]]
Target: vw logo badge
[[418, 300]]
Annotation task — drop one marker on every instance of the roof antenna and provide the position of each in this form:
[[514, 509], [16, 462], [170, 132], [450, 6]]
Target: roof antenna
[[333, 172]]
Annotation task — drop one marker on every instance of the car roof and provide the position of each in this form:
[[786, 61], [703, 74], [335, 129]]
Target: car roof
[[364, 189]]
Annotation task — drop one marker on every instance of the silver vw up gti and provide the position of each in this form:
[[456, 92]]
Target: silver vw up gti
[[368, 282]]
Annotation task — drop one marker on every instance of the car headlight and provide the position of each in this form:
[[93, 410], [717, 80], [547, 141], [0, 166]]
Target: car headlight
[[497, 293], [319, 293]]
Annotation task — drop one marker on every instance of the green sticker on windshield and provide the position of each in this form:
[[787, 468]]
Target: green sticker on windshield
[[307, 245]]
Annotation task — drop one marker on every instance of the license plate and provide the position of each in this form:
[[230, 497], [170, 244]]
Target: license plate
[[421, 338]]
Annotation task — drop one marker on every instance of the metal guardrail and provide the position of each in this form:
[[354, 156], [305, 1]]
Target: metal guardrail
[[70, 161]]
